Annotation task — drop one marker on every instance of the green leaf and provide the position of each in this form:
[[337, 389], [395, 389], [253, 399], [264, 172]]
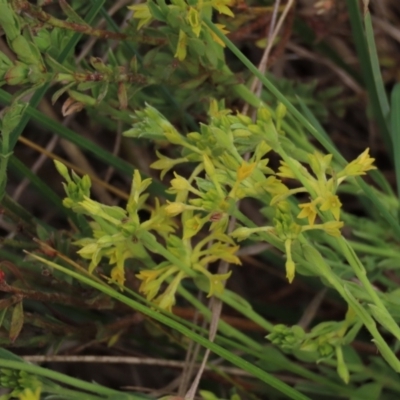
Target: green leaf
[[156, 11], [369, 391], [2, 315], [17, 321], [395, 131], [71, 14], [385, 319], [369, 64]]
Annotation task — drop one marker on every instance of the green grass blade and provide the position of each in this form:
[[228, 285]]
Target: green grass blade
[[376, 70], [369, 63], [227, 355], [313, 121], [395, 129]]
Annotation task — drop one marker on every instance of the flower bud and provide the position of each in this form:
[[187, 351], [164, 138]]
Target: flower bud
[[5, 64], [42, 40], [179, 183], [241, 233], [173, 209], [25, 51], [263, 114], [98, 64], [17, 74], [208, 165], [172, 135], [82, 98], [280, 111]]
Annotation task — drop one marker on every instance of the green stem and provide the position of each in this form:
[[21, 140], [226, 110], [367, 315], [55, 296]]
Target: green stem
[[372, 249]]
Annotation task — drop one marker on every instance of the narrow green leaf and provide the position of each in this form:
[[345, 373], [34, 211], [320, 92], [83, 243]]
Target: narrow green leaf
[[369, 65], [17, 321], [370, 324], [385, 319], [369, 391], [2, 315], [376, 69], [395, 129]]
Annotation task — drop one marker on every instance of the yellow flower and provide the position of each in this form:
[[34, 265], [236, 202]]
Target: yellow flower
[[28, 394], [194, 21], [333, 228], [359, 166], [285, 171], [216, 285], [148, 275], [222, 7], [118, 275], [216, 39], [245, 170], [180, 183], [333, 204], [152, 280], [167, 299], [192, 226], [275, 186], [308, 210], [165, 164], [142, 13]]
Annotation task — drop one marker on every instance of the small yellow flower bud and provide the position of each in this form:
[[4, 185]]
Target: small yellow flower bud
[[173, 209], [208, 165], [280, 111], [180, 183], [263, 114], [290, 270]]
